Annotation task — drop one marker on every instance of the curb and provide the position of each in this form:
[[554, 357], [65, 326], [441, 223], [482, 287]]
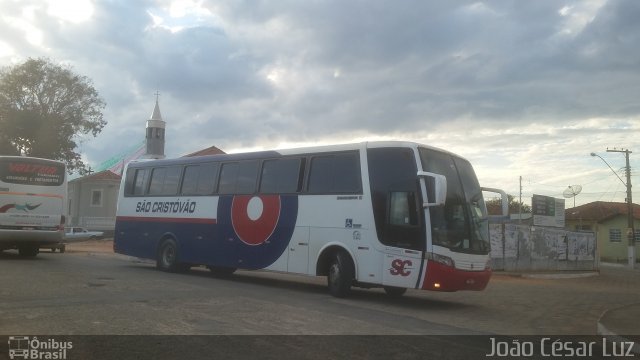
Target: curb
[[610, 335]]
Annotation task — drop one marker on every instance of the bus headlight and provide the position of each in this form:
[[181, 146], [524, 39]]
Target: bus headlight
[[441, 259]]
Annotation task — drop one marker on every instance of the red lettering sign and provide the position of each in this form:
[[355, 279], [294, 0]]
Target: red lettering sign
[[398, 267], [24, 168]]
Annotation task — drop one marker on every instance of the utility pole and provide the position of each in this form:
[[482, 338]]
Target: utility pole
[[520, 203], [630, 226]]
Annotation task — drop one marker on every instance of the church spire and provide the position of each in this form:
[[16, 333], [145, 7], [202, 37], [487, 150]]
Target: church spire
[[155, 133], [156, 110]]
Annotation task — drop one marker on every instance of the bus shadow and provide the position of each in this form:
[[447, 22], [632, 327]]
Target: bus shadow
[[417, 299], [12, 255]]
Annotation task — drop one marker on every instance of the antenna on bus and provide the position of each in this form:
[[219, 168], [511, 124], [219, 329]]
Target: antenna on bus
[[571, 192]]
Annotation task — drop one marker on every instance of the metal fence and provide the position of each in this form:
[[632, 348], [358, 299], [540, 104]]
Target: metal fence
[[532, 248]]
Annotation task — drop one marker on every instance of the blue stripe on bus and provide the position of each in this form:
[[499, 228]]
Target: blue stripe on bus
[[208, 241]]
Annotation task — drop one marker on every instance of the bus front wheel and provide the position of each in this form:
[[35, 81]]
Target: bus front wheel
[[168, 256], [393, 291], [341, 275]]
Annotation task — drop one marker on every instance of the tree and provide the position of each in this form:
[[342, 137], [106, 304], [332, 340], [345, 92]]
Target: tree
[[44, 108], [494, 206]]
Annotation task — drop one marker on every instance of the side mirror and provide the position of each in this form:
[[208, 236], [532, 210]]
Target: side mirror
[[505, 199], [434, 186]]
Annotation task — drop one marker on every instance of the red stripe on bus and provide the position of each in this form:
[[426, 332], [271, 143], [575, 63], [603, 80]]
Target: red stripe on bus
[[163, 219], [31, 194]]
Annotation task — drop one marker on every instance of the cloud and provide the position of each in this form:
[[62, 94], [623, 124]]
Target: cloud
[[520, 88]]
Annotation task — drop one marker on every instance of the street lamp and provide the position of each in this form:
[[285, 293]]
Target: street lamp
[[631, 250]]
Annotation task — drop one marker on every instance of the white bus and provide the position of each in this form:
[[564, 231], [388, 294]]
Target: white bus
[[33, 194], [396, 215]]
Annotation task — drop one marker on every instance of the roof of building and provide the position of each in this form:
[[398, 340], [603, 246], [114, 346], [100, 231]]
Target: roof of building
[[102, 175], [212, 150], [600, 211]]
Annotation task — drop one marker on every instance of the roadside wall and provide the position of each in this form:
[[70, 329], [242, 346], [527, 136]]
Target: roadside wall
[[532, 248]]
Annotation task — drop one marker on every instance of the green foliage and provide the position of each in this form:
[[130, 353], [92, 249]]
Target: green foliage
[[44, 108], [494, 206]]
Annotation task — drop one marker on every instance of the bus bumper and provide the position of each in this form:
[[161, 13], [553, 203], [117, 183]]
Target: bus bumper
[[439, 277]]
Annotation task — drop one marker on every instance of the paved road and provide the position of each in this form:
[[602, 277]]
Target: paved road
[[80, 293]]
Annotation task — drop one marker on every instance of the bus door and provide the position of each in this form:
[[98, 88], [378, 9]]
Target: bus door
[[398, 213], [402, 262], [406, 227]]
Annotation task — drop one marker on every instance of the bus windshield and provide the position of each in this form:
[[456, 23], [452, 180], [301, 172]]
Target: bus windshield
[[462, 224]]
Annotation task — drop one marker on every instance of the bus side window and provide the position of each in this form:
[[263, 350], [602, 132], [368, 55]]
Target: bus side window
[[280, 176], [228, 176], [238, 178], [247, 177], [171, 180], [139, 182], [199, 179], [157, 178], [164, 181], [207, 179], [336, 173], [320, 179], [403, 208], [190, 180], [128, 184], [346, 173]]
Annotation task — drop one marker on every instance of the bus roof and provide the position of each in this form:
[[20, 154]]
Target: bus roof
[[28, 158], [270, 154]]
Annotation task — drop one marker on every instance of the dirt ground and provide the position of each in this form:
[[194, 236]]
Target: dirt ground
[[100, 246]]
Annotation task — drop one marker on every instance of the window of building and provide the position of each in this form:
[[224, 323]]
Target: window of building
[[96, 198], [615, 235]]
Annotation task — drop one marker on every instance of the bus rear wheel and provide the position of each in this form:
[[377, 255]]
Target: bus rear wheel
[[341, 275], [168, 257]]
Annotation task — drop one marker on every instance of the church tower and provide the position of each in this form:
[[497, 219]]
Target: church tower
[[155, 134]]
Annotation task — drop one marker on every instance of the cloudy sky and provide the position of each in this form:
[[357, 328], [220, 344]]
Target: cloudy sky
[[520, 88]]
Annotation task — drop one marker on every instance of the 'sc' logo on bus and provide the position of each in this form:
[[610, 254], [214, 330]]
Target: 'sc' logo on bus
[[398, 267], [254, 218]]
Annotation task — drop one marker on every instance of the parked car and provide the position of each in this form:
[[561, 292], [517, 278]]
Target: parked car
[[74, 233]]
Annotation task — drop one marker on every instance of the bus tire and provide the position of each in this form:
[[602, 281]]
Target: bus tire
[[63, 248], [395, 292], [341, 275], [168, 256], [28, 250]]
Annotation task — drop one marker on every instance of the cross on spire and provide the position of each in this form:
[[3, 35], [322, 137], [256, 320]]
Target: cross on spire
[[157, 94]]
